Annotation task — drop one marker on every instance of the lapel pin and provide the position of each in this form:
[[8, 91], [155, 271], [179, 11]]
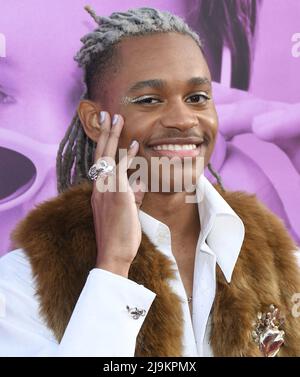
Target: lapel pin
[[268, 333]]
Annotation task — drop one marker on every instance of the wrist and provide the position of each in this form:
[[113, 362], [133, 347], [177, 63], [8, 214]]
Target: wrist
[[118, 269]]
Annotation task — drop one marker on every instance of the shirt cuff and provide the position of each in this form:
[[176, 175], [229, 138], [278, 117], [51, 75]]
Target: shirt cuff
[[107, 317]]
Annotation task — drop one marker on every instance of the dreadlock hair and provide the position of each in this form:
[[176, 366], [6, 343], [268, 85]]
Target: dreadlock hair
[[76, 150], [216, 175]]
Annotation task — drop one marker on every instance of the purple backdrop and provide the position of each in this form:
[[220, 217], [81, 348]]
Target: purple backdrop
[[258, 149]]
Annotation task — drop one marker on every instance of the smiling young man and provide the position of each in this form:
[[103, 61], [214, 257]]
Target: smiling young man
[[147, 273]]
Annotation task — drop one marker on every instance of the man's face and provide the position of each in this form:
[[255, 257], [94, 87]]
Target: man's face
[[177, 106]]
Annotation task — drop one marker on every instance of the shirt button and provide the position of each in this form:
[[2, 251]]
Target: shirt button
[[135, 312]]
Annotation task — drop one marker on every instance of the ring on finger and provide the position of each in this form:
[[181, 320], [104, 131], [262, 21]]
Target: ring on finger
[[100, 169]]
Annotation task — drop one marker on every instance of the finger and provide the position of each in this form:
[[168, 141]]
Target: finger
[[124, 164], [138, 186], [104, 134], [104, 184], [132, 151], [126, 161], [139, 190], [111, 146], [119, 178]]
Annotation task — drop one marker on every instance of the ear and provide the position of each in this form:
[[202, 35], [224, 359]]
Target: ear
[[88, 112]]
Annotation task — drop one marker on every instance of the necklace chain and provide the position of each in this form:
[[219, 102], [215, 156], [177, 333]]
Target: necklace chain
[[190, 299]]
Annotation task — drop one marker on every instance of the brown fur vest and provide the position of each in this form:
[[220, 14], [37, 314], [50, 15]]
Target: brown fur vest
[[59, 238]]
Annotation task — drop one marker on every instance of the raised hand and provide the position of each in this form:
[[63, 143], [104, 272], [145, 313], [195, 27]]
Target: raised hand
[[117, 225]]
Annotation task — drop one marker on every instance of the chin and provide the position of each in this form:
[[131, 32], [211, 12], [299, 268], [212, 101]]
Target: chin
[[169, 177], [174, 183]]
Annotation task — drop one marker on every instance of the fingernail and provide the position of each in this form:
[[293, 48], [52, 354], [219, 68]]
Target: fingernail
[[115, 119], [102, 116], [133, 143]]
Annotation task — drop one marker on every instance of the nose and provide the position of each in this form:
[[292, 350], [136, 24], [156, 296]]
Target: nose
[[179, 116]]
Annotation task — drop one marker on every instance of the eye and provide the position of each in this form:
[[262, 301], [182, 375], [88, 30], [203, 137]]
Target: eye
[[145, 100], [199, 98], [6, 98]]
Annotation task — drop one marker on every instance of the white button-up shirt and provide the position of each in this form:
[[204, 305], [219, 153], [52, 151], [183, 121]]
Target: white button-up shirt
[[100, 324], [220, 241]]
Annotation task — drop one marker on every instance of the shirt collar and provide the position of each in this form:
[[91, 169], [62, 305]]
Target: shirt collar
[[221, 227]]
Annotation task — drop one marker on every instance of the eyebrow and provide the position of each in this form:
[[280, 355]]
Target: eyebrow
[[160, 84]]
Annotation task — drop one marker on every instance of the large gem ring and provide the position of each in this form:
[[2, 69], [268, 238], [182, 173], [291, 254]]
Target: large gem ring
[[100, 169]]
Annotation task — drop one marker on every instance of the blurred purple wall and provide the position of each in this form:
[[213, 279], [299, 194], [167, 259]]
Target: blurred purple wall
[[259, 142], [276, 71]]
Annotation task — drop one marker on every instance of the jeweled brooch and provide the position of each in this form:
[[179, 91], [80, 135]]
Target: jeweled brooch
[[268, 333]]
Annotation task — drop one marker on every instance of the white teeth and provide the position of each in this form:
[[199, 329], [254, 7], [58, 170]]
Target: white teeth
[[174, 147]]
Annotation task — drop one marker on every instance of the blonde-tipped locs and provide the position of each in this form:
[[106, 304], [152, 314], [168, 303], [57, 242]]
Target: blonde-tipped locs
[[76, 150]]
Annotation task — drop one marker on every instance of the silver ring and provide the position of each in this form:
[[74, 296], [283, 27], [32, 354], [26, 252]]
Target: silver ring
[[100, 169]]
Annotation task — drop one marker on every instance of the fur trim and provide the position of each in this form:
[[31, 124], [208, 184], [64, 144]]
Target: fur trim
[[59, 238], [266, 273]]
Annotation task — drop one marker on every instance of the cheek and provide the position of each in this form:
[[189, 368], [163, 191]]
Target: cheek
[[211, 125], [212, 120], [135, 127]]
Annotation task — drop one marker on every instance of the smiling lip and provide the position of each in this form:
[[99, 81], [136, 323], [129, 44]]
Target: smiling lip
[[186, 140], [198, 151]]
